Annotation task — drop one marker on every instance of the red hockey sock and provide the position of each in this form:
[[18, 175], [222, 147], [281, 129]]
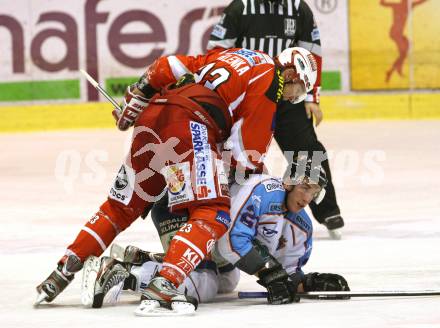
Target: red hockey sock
[[194, 240], [94, 237]]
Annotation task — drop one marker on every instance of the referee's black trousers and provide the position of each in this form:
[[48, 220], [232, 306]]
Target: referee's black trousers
[[295, 132]]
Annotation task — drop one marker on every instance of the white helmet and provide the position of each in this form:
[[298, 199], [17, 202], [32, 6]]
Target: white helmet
[[303, 62]]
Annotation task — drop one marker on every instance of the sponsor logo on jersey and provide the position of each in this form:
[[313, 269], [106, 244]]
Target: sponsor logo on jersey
[[273, 185], [204, 177], [303, 223], [267, 232], [178, 178], [171, 224], [248, 217], [253, 58], [256, 200], [219, 31], [122, 189], [315, 34], [223, 218], [275, 207], [289, 26], [121, 179]]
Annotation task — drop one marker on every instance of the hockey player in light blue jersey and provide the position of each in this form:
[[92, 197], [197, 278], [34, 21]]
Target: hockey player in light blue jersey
[[271, 234], [270, 237]]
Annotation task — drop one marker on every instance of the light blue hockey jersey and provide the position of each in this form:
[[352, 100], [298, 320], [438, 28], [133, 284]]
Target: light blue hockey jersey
[[258, 212]]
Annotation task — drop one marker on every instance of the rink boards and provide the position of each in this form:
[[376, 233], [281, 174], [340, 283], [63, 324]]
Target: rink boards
[[61, 116]]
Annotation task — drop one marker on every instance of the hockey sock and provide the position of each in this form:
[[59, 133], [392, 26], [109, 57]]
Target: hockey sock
[[94, 237], [194, 240]]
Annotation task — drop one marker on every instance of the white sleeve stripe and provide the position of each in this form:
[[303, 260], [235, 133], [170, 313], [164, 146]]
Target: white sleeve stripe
[[238, 150], [190, 244], [233, 105], [177, 67], [225, 43], [312, 47], [258, 76], [69, 252], [111, 222], [96, 236]]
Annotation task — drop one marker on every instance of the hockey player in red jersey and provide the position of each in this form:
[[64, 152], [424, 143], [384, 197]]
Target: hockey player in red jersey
[[175, 146]]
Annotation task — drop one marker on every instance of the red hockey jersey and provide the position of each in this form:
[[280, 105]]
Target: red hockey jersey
[[249, 84]]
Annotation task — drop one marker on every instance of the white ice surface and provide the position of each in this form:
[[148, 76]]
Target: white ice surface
[[391, 239]]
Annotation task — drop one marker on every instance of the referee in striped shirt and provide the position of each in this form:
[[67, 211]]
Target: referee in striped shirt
[[272, 26]]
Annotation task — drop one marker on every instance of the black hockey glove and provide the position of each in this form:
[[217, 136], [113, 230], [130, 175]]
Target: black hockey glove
[[281, 289], [317, 282]]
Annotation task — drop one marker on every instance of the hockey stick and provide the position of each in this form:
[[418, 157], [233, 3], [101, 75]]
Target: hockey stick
[[342, 295], [100, 89]]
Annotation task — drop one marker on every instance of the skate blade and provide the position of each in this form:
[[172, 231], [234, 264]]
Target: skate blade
[[90, 273], [41, 297], [117, 252], [335, 234], [152, 308]]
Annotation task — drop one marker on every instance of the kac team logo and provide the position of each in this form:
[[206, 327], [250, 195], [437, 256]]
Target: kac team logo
[[121, 179]]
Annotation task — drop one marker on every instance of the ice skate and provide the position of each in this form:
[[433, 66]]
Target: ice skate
[[101, 277], [58, 280], [161, 298], [334, 226]]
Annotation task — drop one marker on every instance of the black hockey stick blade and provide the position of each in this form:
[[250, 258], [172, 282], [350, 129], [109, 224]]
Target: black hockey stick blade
[[348, 294]]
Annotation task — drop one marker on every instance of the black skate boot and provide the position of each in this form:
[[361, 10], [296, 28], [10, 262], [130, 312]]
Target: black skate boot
[[102, 276], [59, 279], [161, 298], [334, 226]]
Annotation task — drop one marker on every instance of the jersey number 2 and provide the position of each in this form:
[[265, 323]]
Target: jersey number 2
[[213, 77]]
